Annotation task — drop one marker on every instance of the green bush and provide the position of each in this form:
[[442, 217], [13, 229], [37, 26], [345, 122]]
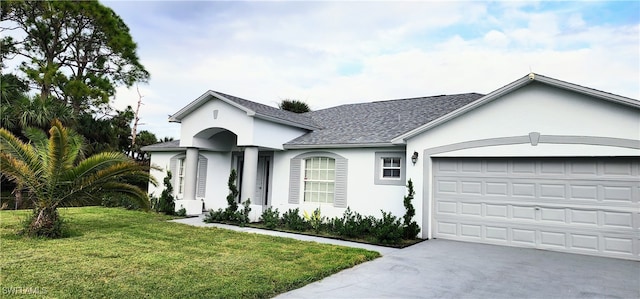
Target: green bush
[[232, 202], [410, 227], [354, 225], [165, 203], [292, 220], [388, 230], [315, 220], [181, 212], [335, 225], [115, 201], [215, 216], [242, 217], [270, 218]]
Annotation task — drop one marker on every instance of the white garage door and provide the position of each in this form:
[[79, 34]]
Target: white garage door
[[579, 205]]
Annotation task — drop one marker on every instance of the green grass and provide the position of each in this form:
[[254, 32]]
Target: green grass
[[115, 253]]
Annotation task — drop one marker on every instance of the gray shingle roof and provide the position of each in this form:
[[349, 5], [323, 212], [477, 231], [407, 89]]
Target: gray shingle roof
[[378, 122], [265, 110], [163, 146]]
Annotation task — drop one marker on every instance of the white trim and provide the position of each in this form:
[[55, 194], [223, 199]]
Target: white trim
[[340, 145], [178, 116]]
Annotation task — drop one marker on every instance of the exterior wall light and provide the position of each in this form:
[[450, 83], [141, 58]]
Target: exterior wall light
[[414, 158]]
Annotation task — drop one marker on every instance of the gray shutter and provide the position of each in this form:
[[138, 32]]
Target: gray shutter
[[294, 180], [340, 195], [202, 177]]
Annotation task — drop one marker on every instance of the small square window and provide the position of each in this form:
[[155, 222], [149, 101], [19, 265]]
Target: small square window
[[391, 168]]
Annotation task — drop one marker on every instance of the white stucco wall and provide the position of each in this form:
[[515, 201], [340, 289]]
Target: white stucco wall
[[273, 135], [363, 195], [533, 108], [161, 160], [229, 118], [250, 131], [218, 169]]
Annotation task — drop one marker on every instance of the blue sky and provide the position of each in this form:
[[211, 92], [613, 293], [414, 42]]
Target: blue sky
[[335, 52]]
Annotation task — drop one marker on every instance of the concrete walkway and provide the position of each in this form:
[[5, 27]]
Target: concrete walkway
[[198, 221]]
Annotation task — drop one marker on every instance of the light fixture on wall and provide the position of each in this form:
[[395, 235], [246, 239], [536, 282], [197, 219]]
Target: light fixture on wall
[[414, 158]]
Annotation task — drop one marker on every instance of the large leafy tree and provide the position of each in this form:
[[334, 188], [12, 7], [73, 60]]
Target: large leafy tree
[[52, 172], [76, 51]]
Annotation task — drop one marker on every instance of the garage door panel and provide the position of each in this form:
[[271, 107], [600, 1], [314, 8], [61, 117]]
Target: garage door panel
[[470, 187], [447, 207], [471, 167], [445, 186], [523, 212], [524, 190], [617, 168], [584, 217], [524, 236], [552, 168], [617, 193], [497, 188], [584, 242], [496, 233], [553, 215], [498, 168], [583, 192], [553, 239], [471, 230], [582, 205], [473, 209], [447, 228], [618, 245], [553, 191], [617, 219], [523, 167]]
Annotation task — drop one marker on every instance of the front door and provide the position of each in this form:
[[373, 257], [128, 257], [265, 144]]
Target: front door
[[262, 182]]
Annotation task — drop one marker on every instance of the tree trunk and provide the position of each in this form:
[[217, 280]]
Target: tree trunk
[[45, 222]]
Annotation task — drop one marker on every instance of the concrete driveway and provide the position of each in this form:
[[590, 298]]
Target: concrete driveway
[[449, 269]]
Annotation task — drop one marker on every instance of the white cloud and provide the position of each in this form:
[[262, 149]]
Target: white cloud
[[268, 51]]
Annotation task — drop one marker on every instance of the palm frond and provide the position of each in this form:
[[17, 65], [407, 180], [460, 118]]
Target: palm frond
[[14, 147], [130, 191]]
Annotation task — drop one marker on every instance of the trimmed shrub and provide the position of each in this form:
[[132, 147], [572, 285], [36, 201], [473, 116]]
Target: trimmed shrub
[[114, 201], [292, 220], [388, 230], [335, 225], [181, 212], [270, 218], [243, 215], [315, 220], [410, 227], [215, 216], [232, 202]]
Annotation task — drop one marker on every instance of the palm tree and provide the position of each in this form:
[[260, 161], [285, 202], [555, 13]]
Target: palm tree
[[52, 172], [295, 106]]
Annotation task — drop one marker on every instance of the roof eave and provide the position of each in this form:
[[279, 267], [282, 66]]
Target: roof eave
[[528, 79], [286, 122], [587, 91], [186, 110], [339, 145], [161, 149]]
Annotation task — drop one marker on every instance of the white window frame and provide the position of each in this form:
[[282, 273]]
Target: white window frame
[[391, 167], [379, 178], [180, 176], [329, 181]]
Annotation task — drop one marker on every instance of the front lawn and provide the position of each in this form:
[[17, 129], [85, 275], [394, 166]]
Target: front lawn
[[115, 253]]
